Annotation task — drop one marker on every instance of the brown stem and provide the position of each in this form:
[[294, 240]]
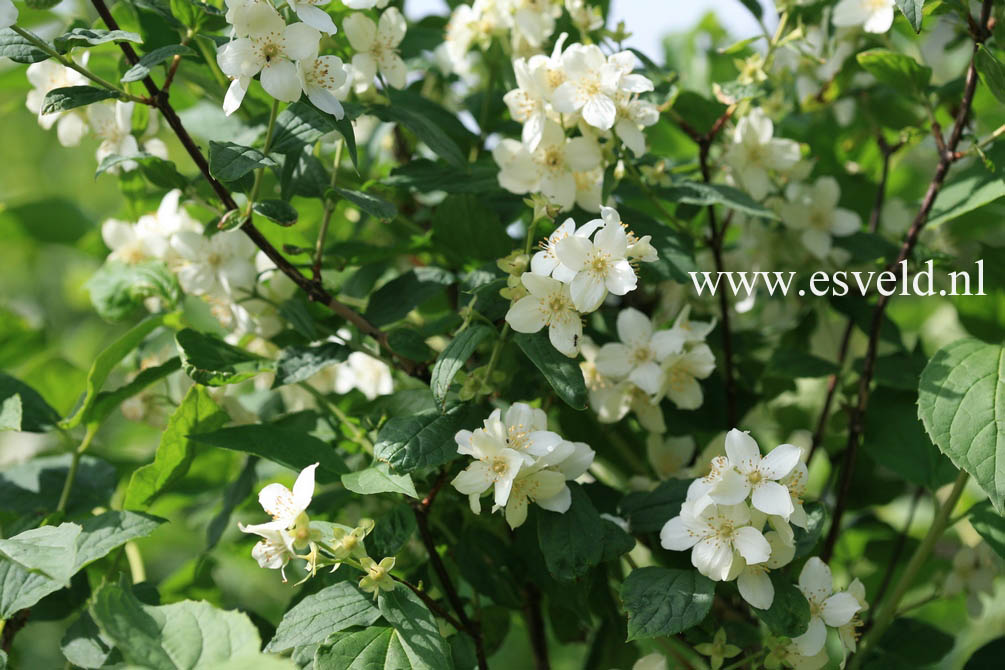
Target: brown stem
[[470, 627], [898, 549], [535, 627], [172, 70], [313, 290], [946, 159]]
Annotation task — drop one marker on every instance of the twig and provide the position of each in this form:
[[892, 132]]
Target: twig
[[898, 549], [535, 627], [326, 217], [64, 496], [946, 160]]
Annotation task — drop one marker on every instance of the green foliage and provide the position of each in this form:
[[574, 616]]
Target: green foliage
[[33, 413], [213, 362], [154, 58], [561, 372], [903, 640], [395, 299], [413, 622], [661, 602], [369, 203], [990, 525], [229, 161], [20, 49], [992, 72], [79, 37], [297, 364], [118, 289], [277, 211], [319, 615], [453, 358], [897, 70], [291, 448], [579, 539], [789, 614], [961, 401], [424, 440], [378, 479], [71, 97], [912, 11]]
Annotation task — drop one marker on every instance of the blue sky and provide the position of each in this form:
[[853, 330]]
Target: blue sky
[[649, 20]]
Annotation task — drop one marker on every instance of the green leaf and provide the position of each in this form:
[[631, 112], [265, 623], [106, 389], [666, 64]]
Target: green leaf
[[754, 6], [990, 525], [158, 171], [230, 162], [277, 211], [395, 299], [297, 364], [970, 188], [35, 414], [423, 175], [992, 71], [196, 413], [562, 372], [235, 494], [409, 343], [186, 635], [45, 550], [467, 228], [961, 401], [213, 362], [662, 602], [330, 610], [369, 203], [428, 132], [392, 531], [702, 194], [895, 439], [789, 614], [371, 648], [453, 357], [82, 37], [298, 126], [83, 645], [988, 657], [106, 361], [71, 97], [100, 534], [912, 11], [675, 249], [573, 542], [982, 315], [10, 413], [806, 539], [425, 439], [420, 634], [898, 70], [107, 401], [19, 49], [153, 59], [34, 487], [291, 448], [378, 478], [916, 642], [795, 364], [646, 512], [698, 111], [118, 289]]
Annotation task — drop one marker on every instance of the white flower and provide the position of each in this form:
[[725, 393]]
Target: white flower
[[536, 484], [585, 17], [275, 549], [751, 475], [536, 80], [693, 331], [365, 4], [45, 76], [612, 400], [8, 13], [875, 16], [113, 124], [714, 534], [813, 209], [752, 580], [376, 48], [754, 153], [849, 632], [668, 456], [633, 115], [325, 80], [496, 465], [551, 168], [601, 265], [681, 372], [637, 357], [835, 610], [593, 82], [533, 22], [150, 237], [359, 371], [218, 266], [546, 263], [270, 47], [549, 304], [310, 13], [973, 573], [286, 506]]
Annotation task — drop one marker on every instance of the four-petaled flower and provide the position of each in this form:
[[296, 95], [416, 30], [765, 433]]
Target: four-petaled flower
[[748, 474], [825, 609], [378, 575], [713, 535], [601, 264], [376, 46], [549, 304]]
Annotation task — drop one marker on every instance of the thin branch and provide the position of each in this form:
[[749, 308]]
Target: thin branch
[[326, 217], [946, 160], [898, 549], [430, 603], [535, 627]]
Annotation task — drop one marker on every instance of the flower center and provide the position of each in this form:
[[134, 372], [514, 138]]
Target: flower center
[[641, 355], [755, 477], [516, 438], [599, 263], [499, 466], [553, 158], [676, 378]]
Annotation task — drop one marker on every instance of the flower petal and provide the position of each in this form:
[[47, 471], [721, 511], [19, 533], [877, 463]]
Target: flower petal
[[751, 544], [756, 588], [839, 609], [780, 461]]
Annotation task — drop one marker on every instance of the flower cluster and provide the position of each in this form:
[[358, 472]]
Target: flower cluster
[[582, 88], [292, 531], [528, 23], [573, 273], [520, 461]]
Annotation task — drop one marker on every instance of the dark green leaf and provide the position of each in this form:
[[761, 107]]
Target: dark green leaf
[[153, 59], [409, 343], [795, 364], [912, 11], [211, 361], [391, 531], [789, 614], [196, 413], [427, 131], [230, 162], [661, 602], [118, 289], [235, 493], [395, 299], [423, 440], [378, 479], [961, 401], [71, 97], [298, 126], [562, 372], [36, 415], [424, 175], [699, 112], [82, 37], [420, 634], [20, 50], [806, 539], [896, 69], [107, 401], [646, 512], [277, 211], [572, 542], [374, 647], [990, 525], [453, 358], [467, 228], [916, 642], [291, 448], [369, 203], [317, 616], [702, 194], [157, 170], [36, 485], [297, 364], [988, 657]]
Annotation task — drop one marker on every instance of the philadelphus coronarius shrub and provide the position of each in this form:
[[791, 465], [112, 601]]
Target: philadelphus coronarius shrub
[[378, 338]]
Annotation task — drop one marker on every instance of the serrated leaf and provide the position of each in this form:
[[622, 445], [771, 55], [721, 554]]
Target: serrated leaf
[[81, 37], [573, 542], [71, 97], [297, 364], [291, 448], [196, 413], [369, 203], [298, 126], [229, 161], [428, 132], [370, 648], [895, 69], [19, 49], [702, 194], [318, 615], [185, 635], [118, 289], [395, 299], [107, 401], [419, 631], [990, 525], [277, 211], [378, 478], [912, 11], [158, 171], [562, 372], [423, 440], [153, 59], [646, 512], [44, 550], [961, 401], [35, 415], [106, 361], [213, 362], [789, 614], [661, 602], [453, 357], [83, 645]]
